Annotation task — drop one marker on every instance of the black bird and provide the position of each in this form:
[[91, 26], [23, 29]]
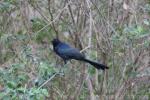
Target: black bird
[[66, 52]]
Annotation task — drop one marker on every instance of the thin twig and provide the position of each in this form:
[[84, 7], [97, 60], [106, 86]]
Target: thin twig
[[58, 73], [131, 83], [54, 20]]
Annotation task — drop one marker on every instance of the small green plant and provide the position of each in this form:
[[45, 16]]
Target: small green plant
[[15, 81]]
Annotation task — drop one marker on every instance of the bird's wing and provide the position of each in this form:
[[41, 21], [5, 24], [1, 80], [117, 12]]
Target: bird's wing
[[68, 51]]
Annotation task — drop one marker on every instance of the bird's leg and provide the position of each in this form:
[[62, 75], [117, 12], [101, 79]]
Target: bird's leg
[[65, 61]]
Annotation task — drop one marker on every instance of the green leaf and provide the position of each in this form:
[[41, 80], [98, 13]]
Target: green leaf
[[11, 84], [2, 94], [45, 92], [21, 90]]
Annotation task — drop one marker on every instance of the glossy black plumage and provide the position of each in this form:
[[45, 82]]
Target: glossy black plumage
[[66, 52]]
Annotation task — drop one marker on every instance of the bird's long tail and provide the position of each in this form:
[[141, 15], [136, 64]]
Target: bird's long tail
[[96, 65]]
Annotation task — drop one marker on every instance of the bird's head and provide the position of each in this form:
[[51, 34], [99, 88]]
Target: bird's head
[[55, 42]]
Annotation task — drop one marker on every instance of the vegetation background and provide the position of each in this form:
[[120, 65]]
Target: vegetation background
[[113, 32]]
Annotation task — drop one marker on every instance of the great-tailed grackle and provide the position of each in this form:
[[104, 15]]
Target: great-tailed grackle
[[66, 52]]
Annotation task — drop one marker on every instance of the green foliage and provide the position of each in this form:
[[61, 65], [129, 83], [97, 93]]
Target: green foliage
[[147, 8], [37, 94], [38, 24], [45, 69], [91, 70], [8, 5], [135, 31], [124, 41], [5, 6], [14, 80]]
